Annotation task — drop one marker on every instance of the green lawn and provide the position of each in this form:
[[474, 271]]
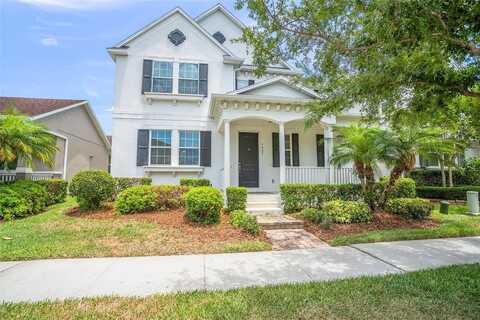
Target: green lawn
[[456, 224], [447, 293], [53, 234]]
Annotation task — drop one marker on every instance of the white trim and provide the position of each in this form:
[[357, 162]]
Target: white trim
[[90, 113], [228, 14], [150, 96], [279, 79], [174, 169], [166, 16], [270, 69], [65, 152]]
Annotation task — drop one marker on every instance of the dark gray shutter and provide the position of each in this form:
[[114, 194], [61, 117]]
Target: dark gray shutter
[[147, 76], [142, 147], [276, 149], [320, 150], [251, 82], [295, 150], [203, 78], [205, 148]]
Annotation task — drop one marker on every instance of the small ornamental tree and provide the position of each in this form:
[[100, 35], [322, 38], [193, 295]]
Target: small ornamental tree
[[92, 188]]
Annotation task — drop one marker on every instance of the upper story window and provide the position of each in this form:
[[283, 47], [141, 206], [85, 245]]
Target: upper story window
[[242, 83], [160, 147], [162, 77], [188, 80], [189, 147]]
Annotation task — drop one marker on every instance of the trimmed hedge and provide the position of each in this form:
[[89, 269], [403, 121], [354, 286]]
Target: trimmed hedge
[[236, 198], [136, 199], [296, 197], [433, 177], [148, 198], [56, 190], [410, 208], [122, 183], [445, 193], [92, 188], [241, 220], [204, 205], [342, 211], [23, 198], [170, 196], [195, 182]]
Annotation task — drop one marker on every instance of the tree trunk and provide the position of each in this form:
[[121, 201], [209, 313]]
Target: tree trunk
[[442, 170], [450, 171], [395, 174]]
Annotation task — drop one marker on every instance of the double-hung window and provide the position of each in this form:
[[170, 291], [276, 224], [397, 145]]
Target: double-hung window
[[162, 77], [288, 150], [188, 78], [160, 147], [189, 151]]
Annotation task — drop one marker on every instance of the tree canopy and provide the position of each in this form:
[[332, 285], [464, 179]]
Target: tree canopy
[[383, 55]]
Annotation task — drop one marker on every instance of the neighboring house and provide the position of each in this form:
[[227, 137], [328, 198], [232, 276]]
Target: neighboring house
[[81, 143], [187, 104]]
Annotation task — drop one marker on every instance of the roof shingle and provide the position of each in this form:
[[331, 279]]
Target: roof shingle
[[35, 106]]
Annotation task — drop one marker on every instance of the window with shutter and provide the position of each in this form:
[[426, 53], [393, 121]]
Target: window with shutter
[[142, 147], [320, 150], [147, 76], [206, 149]]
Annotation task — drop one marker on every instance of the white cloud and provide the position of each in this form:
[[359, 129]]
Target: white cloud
[[90, 92], [77, 4], [49, 42]]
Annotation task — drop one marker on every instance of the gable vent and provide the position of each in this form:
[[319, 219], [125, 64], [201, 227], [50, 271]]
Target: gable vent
[[176, 37], [219, 37]]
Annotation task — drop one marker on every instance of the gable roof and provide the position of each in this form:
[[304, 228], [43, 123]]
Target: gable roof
[[38, 108], [124, 43], [35, 106], [221, 8], [279, 79]]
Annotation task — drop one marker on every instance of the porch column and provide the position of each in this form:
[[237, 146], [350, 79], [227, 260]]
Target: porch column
[[281, 135], [23, 171], [226, 155], [328, 136]]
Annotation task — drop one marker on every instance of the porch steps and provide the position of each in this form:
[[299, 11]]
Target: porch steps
[[264, 204], [278, 222]]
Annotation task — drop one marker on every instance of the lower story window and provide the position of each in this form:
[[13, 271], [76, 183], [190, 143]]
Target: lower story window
[[189, 151], [160, 147]]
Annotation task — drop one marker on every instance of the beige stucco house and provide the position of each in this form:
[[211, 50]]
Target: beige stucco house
[[81, 142]]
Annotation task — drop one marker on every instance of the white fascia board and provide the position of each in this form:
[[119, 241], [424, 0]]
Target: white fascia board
[[228, 14], [163, 18], [90, 113], [281, 79]]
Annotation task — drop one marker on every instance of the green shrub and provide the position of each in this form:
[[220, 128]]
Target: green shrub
[[92, 188], [195, 182], [12, 205], [445, 193], [240, 219], [236, 198], [471, 171], [136, 199], [122, 183], [296, 197], [317, 216], [35, 194], [170, 196], [204, 205], [342, 211], [411, 208], [56, 189], [433, 177], [404, 188]]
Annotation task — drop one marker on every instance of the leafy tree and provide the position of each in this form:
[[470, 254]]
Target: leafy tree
[[23, 139], [380, 54]]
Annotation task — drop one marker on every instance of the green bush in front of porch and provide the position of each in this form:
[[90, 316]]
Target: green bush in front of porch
[[236, 198]]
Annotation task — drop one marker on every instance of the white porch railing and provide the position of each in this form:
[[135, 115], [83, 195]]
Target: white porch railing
[[318, 175], [10, 176], [7, 176]]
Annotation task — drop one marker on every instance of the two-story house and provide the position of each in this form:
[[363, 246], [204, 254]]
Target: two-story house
[[187, 104]]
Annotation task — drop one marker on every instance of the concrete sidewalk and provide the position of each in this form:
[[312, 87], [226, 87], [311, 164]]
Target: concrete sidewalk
[[139, 276]]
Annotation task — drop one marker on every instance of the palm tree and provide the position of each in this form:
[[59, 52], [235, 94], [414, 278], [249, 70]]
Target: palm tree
[[25, 140], [402, 145], [361, 146]]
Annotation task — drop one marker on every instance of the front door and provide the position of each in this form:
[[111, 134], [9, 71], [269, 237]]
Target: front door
[[248, 159]]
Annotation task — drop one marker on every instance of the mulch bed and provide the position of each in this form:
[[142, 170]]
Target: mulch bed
[[380, 221], [222, 232]]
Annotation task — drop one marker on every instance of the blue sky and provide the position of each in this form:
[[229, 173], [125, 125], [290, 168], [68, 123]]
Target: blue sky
[[56, 48]]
